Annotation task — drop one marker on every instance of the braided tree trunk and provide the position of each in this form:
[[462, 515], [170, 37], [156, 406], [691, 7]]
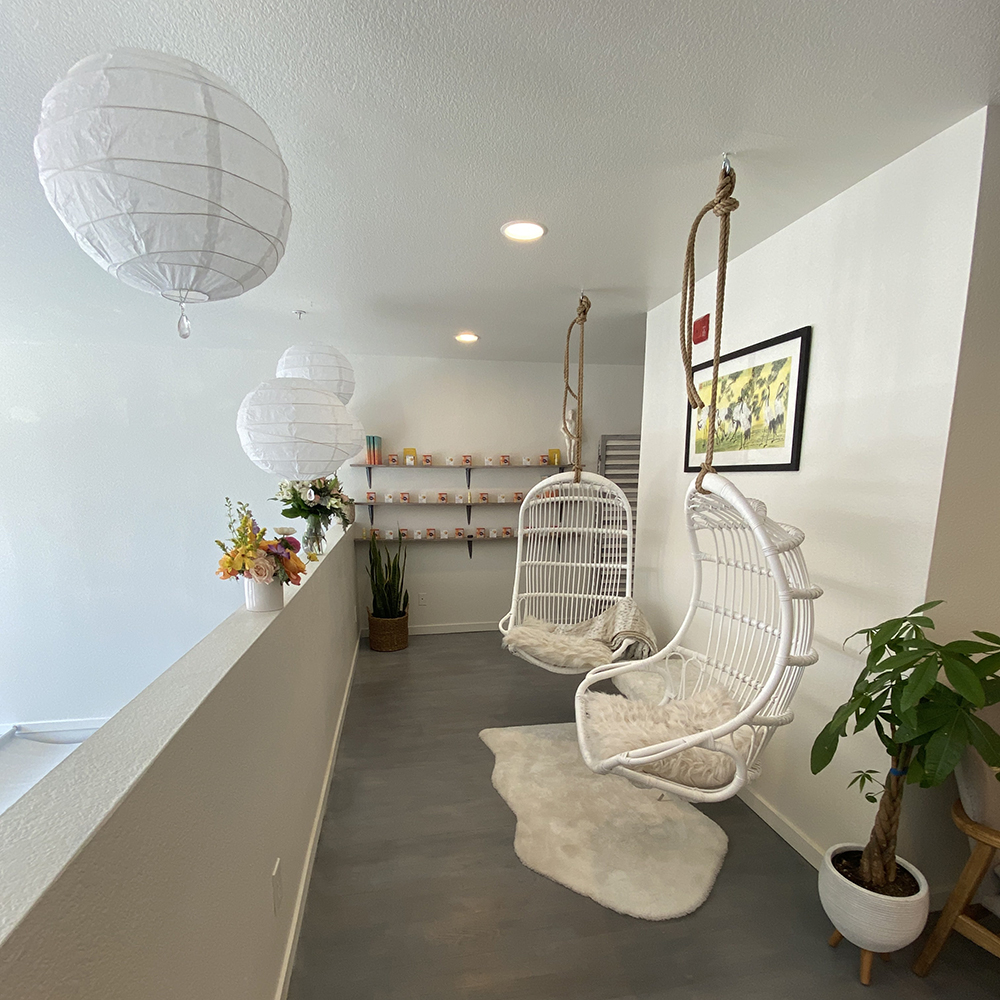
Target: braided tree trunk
[[878, 861]]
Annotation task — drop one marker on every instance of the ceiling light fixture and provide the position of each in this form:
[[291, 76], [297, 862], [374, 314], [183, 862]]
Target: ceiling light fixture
[[466, 337], [523, 232]]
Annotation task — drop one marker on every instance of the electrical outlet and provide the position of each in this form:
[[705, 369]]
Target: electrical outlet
[[422, 600], [277, 889]]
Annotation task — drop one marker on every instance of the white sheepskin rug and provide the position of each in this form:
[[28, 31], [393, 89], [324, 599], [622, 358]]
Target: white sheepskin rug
[[544, 642], [630, 849], [613, 724]]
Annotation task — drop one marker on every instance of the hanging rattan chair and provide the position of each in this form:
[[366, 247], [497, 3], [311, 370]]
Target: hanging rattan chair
[[574, 555], [746, 636]]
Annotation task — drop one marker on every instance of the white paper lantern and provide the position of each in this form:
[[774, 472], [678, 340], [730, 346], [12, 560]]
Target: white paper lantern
[[359, 434], [321, 363], [296, 429], [164, 175]]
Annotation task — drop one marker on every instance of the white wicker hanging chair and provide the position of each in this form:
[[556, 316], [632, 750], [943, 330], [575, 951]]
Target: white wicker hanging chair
[[574, 555], [748, 630]]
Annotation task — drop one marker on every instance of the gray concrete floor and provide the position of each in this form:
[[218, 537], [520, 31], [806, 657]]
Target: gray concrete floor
[[417, 893]]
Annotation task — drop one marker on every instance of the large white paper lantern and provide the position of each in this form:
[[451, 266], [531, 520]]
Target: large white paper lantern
[[296, 429], [321, 363], [164, 175]]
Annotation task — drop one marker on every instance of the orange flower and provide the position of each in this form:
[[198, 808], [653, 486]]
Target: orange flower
[[294, 567]]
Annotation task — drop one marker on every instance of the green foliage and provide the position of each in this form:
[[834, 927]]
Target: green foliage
[[389, 600], [919, 716]]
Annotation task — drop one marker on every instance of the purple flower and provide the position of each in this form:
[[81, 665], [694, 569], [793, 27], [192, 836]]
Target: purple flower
[[254, 526]]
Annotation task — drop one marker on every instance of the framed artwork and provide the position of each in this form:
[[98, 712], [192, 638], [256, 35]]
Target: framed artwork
[[761, 401]]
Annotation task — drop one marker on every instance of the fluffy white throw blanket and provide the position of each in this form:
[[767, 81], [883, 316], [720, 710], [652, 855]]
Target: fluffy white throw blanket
[[586, 644], [614, 724]]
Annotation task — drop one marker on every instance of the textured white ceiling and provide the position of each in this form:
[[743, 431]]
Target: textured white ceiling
[[413, 129]]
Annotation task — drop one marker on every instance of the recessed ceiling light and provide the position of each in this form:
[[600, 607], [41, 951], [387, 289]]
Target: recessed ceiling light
[[466, 337], [523, 232]]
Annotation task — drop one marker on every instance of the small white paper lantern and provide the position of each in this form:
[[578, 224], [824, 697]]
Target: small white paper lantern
[[296, 429], [321, 363], [164, 175]]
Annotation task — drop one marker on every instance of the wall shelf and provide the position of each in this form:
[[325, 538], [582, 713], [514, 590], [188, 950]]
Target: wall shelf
[[545, 470], [467, 469], [448, 503], [435, 541]]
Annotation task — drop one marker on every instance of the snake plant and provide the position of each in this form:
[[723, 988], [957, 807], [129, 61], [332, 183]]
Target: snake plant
[[389, 600]]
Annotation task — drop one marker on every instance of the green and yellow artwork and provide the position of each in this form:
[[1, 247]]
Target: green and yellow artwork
[[752, 408]]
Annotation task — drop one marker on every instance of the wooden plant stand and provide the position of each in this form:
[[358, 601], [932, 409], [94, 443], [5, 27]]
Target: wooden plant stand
[[867, 957], [957, 914]]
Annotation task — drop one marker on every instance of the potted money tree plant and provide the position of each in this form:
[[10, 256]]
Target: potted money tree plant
[[921, 697]]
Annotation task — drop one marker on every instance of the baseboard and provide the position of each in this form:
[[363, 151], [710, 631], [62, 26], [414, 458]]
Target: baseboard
[[300, 900], [805, 845], [447, 628], [54, 725], [784, 828]]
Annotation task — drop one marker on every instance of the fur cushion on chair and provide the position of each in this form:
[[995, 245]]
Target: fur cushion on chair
[[542, 641], [614, 724]]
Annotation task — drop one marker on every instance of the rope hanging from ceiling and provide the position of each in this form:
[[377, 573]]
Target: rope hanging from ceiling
[[722, 205], [575, 433]]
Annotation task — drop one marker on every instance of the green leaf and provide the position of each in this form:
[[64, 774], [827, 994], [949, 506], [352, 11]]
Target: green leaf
[[988, 636], [964, 681], [926, 607], [825, 745], [889, 744], [991, 687], [985, 739], [898, 662], [987, 665], [867, 717], [919, 683], [928, 718], [968, 647], [945, 749]]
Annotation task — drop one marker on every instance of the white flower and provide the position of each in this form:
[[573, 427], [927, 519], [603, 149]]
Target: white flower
[[309, 496], [261, 570]]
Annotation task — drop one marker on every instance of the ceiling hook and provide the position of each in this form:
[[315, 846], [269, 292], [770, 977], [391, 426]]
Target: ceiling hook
[[726, 165], [299, 312]]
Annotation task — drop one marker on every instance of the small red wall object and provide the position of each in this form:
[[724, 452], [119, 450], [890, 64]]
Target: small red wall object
[[700, 332]]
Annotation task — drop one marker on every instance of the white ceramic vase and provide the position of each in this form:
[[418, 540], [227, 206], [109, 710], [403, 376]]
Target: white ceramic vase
[[263, 596], [868, 919]]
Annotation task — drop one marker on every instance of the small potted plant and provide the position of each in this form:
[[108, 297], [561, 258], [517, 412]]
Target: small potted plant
[[318, 501], [925, 722], [388, 619], [265, 564]]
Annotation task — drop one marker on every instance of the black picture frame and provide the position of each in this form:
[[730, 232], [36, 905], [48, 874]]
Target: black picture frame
[[766, 350]]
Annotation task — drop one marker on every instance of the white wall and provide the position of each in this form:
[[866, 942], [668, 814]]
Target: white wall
[[965, 562], [880, 273], [116, 459], [484, 408], [141, 866]]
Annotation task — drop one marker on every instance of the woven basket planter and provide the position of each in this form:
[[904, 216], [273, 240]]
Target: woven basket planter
[[385, 635]]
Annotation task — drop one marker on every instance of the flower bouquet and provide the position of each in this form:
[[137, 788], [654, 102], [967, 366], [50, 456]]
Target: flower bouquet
[[318, 501], [260, 560]]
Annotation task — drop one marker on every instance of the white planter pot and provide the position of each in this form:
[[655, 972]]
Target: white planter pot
[[868, 919], [263, 596]]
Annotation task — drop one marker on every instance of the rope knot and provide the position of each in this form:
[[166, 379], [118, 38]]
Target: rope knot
[[724, 207], [582, 309], [723, 203]]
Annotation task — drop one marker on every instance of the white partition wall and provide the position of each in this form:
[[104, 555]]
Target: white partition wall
[[881, 273], [143, 866]]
